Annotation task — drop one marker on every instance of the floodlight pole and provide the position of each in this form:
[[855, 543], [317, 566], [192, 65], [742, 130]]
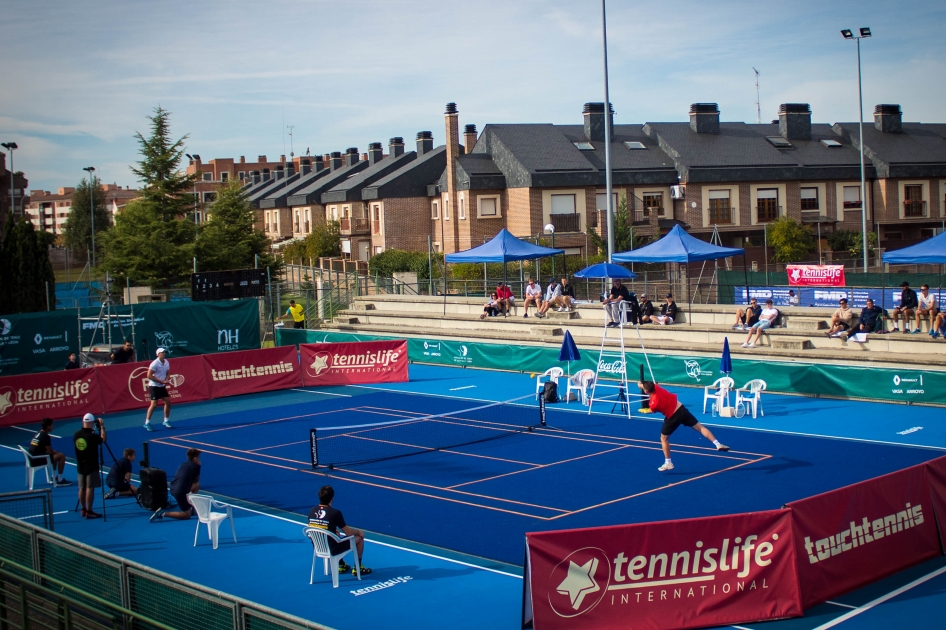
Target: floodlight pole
[[607, 134], [847, 34], [12, 146], [90, 170]]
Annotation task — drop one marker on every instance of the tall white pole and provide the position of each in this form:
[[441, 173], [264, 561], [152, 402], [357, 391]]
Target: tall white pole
[[860, 109], [607, 134]]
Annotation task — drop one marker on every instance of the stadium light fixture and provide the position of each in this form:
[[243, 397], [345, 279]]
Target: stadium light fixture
[[90, 170], [864, 32]]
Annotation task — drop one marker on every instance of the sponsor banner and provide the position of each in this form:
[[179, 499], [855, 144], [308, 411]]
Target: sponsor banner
[[673, 574], [350, 363], [815, 275], [37, 342], [936, 473], [62, 394], [125, 386], [234, 373], [858, 534], [823, 297]]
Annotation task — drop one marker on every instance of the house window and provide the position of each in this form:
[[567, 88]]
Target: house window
[[562, 214], [913, 201], [852, 197], [563, 204], [333, 213], [434, 209], [831, 144], [437, 246], [488, 207], [653, 202], [601, 201], [634, 145], [225, 176], [809, 199], [767, 205], [207, 177], [209, 197], [377, 249], [584, 146], [241, 175], [461, 211], [779, 142], [719, 209], [446, 207]]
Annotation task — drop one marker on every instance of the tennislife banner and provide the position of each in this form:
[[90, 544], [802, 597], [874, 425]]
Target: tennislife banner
[[855, 535], [936, 473], [63, 394], [234, 373], [125, 386], [673, 574], [815, 275], [354, 363]]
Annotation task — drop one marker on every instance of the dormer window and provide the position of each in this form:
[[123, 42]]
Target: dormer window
[[831, 143], [779, 142], [634, 145], [584, 146]]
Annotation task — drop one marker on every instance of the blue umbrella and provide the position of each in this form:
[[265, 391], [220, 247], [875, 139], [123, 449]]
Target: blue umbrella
[[605, 270], [725, 363], [569, 351]]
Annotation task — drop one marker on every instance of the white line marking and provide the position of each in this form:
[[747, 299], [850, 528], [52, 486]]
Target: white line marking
[[841, 605], [23, 518], [376, 542], [309, 391], [826, 437], [881, 600], [58, 437], [456, 389]]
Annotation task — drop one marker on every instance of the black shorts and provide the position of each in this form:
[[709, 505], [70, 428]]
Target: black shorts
[[299, 324], [842, 326], [156, 393], [39, 461], [680, 416], [121, 486], [182, 503]]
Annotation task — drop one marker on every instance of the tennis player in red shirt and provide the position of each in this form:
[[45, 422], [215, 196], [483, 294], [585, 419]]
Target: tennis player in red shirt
[[675, 414]]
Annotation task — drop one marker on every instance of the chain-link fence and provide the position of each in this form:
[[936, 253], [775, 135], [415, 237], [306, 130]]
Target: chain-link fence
[[32, 506]]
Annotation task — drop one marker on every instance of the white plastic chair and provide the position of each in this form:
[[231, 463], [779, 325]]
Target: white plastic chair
[[204, 505], [580, 382], [321, 549], [718, 391], [31, 470], [751, 394], [550, 375]]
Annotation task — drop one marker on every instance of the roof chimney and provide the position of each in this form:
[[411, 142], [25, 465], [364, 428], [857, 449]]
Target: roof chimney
[[425, 142], [794, 121], [280, 171], [452, 124], [375, 153], [282, 159], [306, 166], [469, 137], [290, 169], [335, 162], [888, 118], [351, 156], [261, 158], [396, 146], [594, 121], [255, 176], [319, 163], [704, 118], [242, 159]]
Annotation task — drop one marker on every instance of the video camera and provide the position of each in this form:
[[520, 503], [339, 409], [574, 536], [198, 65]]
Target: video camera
[[633, 309]]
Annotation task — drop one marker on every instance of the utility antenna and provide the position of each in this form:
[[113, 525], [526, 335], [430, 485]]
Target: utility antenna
[[758, 107], [291, 152]]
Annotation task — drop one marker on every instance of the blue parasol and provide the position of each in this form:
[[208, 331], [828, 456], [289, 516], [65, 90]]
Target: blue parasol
[[605, 270], [569, 351]]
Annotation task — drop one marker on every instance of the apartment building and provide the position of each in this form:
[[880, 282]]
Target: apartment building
[[49, 211]]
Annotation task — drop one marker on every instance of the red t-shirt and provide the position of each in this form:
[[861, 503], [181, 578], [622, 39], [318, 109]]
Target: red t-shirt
[[663, 401], [503, 292]]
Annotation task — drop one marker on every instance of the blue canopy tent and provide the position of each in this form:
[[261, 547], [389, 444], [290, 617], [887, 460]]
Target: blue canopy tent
[[932, 250], [502, 248], [679, 247]]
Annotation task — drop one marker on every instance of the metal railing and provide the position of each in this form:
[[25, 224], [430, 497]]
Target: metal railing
[[33, 506], [566, 222], [914, 209]]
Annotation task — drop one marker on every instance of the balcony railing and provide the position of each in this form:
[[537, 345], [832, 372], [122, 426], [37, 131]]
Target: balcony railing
[[914, 209], [764, 214], [566, 222], [642, 215], [354, 225], [720, 216], [344, 225], [852, 205]]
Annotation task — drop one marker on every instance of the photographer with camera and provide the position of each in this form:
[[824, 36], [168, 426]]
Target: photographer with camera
[[87, 444]]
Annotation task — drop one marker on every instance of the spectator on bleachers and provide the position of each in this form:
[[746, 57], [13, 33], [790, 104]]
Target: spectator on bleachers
[[765, 320], [612, 304], [841, 320], [506, 299], [533, 297], [72, 363], [926, 308], [907, 308], [668, 312], [647, 309], [938, 326], [491, 307], [871, 320], [553, 295], [793, 299], [746, 318], [567, 299]]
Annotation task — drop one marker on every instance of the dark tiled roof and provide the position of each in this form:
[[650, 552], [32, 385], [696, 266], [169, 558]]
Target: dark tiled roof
[[920, 151], [279, 198], [258, 194], [350, 189], [313, 192], [410, 180]]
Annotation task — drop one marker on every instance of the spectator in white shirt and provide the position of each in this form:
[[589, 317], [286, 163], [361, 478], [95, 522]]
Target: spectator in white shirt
[[793, 298], [533, 296], [927, 307], [552, 294], [769, 313]]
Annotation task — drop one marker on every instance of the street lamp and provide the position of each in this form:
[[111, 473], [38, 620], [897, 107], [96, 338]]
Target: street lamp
[[865, 32], [551, 230], [90, 170], [194, 158], [10, 146]]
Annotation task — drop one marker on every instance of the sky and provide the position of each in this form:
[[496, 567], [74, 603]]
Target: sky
[[79, 79]]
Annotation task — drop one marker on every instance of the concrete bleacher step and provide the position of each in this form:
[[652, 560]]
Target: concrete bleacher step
[[566, 315], [346, 320], [363, 306], [796, 323], [545, 331], [792, 344]]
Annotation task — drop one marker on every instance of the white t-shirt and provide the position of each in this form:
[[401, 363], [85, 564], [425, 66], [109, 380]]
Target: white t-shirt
[[793, 300], [928, 301], [768, 313], [553, 291], [160, 370], [533, 290]]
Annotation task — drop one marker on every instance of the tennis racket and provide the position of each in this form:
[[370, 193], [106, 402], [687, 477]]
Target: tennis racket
[[175, 380]]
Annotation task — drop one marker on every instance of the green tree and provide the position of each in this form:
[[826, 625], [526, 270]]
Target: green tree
[[392, 260], [26, 273], [228, 240], [165, 187], [624, 237], [77, 231], [791, 241], [851, 242], [324, 241]]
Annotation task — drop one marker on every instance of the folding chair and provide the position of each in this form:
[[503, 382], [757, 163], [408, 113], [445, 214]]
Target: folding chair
[[751, 393], [31, 470], [718, 391], [551, 374], [204, 505]]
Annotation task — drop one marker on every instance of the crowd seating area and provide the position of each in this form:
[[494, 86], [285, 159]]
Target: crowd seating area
[[701, 329]]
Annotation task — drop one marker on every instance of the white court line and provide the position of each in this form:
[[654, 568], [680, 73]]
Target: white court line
[[881, 600], [456, 389], [414, 551], [841, 605], [309, 391], [58, 437], [23, 518]]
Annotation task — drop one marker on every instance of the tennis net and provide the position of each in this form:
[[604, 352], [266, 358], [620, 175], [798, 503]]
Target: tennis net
[[414, 433]]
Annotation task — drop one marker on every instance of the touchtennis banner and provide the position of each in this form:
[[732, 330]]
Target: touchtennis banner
[[125, 386], [352, 363], [673, 574], [936, 473], [815, 275], [64, 394], [234, 373], [857, 534]]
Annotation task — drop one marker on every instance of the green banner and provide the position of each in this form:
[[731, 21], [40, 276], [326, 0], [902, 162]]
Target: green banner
[[811, 379], [36, 342]]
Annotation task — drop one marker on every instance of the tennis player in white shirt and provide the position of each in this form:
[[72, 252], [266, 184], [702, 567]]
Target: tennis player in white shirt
[[157, 387]]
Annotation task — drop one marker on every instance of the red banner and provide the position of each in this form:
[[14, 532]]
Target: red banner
[[852, 536], [234, 373], [125, 386], [674, 574], [32, 397], [815, 275], [936, 473], [357, 362]]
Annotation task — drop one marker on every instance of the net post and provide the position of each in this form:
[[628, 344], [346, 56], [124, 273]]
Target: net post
[[145, 460], [541, 410], [314, 446]]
